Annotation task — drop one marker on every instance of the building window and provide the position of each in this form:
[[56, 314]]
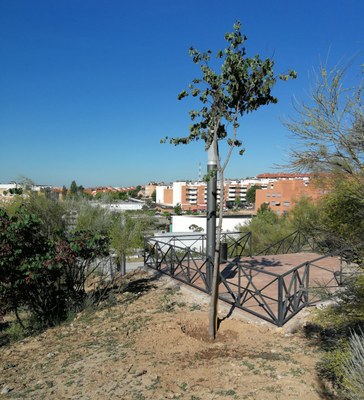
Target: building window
[[278, 195], [287, 203], [268, 195], [273, 195], [278, 212], [273, 203]]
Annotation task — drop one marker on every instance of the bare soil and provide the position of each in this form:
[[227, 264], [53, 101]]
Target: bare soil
[[152, 343]]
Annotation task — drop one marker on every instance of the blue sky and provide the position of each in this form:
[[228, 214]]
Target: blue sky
[[88, 88]]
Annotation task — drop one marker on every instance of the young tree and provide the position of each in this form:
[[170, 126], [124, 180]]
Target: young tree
[[73, 188], [239, 86], [250, 194], [127, 233], [64, 191], [329, 137], [178, 209]]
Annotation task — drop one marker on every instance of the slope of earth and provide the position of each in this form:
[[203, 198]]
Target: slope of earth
[[152, 343]]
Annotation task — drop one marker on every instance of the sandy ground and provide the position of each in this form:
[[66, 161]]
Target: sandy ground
[[153, 344]]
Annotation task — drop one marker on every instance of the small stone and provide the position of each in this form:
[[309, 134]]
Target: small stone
[[50, 355], [140, 372], [6, 389]]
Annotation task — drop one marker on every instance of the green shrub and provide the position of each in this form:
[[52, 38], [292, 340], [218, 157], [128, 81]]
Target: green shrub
[[353, 367], [330, 367], [45, 277]]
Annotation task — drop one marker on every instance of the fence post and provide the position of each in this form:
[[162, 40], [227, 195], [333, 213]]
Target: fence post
[[307, 267], [250, 244], [341, 270], [280, 301], [156, 246], [239, 285], [172, 260], [188, 265]]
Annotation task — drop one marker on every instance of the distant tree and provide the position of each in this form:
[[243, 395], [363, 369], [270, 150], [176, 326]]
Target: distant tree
[[267, 228], [17, 190], [135, 192], [177, 209], [238, 202], [127, 233], [50, 213], [94, 218], [239, 86], [123, 196], [47, 192], [251, 193], [25, 182], [64, 191], [73, 188], [154, 195]]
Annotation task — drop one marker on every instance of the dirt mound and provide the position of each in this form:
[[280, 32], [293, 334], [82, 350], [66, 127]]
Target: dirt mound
[[153, 344]]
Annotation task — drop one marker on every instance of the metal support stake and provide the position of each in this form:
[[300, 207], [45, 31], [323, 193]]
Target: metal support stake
[[211, 214]]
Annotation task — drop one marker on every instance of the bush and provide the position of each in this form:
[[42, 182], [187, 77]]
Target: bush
[[353, 368], [46, 277], [343, 361], [267, 228], [330, 367]]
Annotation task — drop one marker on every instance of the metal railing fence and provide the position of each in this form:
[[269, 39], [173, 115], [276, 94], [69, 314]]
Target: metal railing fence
[[274, 297]]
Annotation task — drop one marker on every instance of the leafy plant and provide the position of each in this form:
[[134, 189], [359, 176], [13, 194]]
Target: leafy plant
[[46, 277]]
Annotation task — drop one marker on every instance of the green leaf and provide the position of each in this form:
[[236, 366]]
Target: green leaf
[[183, 94]]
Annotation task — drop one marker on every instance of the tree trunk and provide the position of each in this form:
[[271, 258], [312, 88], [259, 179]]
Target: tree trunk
[[213, 320]]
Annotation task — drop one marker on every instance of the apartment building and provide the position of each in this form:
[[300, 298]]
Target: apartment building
[[280, 190], [193, 195], [281, 195]]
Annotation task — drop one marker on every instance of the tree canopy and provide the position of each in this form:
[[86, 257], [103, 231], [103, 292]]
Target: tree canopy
[[329, 128], [250, 194]]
